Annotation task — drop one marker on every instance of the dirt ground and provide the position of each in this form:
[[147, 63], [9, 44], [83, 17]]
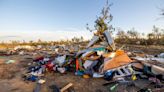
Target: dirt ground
[[11, 78], [11, 75], [151, 49]]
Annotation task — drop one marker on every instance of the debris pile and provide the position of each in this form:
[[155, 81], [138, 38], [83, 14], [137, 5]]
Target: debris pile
[[100, 59]]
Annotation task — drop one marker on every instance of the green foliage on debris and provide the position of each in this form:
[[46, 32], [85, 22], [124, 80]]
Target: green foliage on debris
[[102, 22]]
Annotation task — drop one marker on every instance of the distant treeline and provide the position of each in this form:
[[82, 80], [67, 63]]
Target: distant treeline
[[74, 40], [156, 37]]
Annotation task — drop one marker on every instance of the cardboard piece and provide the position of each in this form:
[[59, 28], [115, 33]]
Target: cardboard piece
[[117, 61]]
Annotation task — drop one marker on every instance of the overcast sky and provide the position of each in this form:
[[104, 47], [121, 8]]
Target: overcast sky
[[64, 19]]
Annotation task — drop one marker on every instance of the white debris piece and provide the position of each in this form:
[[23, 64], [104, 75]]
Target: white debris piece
[[60, 60]]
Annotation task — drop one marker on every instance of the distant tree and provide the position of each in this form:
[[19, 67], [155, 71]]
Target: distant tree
[[24, 42], [121, 36], [73, 39], [77, 40], [31, 42], [150, 36], [162, 32], [156, 32], [133, 34], [14, 42], [156, 36], [39, 41], [162, 37], [81, 39], [143, 34]]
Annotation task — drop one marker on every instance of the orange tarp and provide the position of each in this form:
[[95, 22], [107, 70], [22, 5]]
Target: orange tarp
[[120, 58]]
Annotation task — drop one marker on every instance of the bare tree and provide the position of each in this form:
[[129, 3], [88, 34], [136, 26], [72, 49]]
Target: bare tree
[[81, 39], [121, 34], [150, 36], [133, 34], [156, 32], [102, 22]]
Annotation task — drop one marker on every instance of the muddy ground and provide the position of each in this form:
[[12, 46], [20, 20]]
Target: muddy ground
[[11, 75]]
